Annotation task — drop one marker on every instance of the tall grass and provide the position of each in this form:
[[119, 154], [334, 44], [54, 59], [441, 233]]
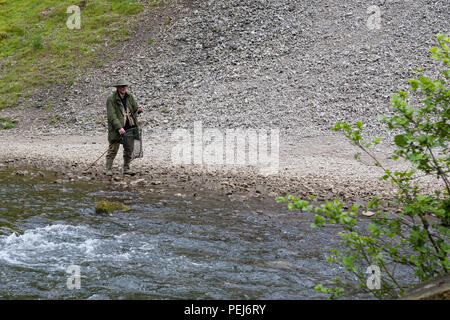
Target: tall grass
[[37, 48]]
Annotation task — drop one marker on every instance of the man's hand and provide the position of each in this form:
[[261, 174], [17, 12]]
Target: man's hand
[[122, 131], [139, 109]]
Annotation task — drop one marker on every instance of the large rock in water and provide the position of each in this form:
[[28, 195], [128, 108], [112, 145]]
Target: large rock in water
[[434, 289], [108, 206]]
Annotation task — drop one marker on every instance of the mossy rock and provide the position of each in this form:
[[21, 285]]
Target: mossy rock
[[108, 206], [10, 227]]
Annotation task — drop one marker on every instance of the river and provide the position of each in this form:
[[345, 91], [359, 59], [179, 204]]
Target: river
[[165, 247]]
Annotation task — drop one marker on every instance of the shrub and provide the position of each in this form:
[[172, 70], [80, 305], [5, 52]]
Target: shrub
[[417, 236]]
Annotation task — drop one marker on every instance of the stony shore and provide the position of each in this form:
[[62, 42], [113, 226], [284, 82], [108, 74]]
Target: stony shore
[[323, 166]]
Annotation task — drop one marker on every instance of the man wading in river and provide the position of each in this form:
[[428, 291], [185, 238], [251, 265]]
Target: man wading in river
[[121, 111]]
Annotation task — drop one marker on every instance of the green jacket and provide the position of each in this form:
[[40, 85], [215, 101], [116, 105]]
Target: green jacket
[[114, 111]]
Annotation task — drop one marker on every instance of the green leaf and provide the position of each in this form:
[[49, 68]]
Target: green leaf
[[423, 138], [281, 199], [401, 140], [319, 220], [321, 288]]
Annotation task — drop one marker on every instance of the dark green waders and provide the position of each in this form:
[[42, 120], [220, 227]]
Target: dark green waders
[[128, 145]]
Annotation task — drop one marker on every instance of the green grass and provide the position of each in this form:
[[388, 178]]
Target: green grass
[[6, 123], [37, 48]]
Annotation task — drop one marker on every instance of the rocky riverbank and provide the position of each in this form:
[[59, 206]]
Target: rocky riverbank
[[323, 166]]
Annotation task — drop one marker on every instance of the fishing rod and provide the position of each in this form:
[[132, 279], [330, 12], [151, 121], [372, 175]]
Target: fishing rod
[[110, 146]]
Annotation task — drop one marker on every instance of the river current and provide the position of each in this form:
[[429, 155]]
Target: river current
[[165, 247]]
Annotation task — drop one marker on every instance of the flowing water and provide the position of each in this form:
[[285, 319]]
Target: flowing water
[[165, 247]]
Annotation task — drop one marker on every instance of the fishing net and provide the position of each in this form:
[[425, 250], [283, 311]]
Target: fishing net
[[133, 138]]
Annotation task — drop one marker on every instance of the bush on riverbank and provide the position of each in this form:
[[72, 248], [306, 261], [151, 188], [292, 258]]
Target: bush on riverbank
[[417, 236]]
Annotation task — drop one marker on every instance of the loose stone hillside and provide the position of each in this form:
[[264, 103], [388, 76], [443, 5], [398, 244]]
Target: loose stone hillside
[[298, 66]]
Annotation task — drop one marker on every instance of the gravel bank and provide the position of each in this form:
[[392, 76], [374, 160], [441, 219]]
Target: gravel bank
[[323, 166]]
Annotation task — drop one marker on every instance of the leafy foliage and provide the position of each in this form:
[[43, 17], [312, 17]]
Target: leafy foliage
[[417, 235]]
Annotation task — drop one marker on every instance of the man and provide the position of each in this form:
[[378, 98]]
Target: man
[[121, 113]]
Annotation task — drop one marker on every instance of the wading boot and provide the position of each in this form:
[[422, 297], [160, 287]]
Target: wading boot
[[109, 163], [126, 168]]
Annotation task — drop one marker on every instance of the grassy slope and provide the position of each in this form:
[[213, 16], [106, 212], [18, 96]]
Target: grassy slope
[[37, 48]]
